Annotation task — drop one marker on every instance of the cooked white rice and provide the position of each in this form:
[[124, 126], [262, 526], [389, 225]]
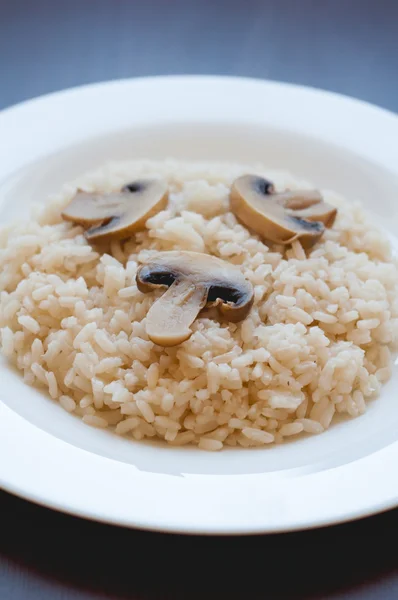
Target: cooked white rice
[[317, 342]]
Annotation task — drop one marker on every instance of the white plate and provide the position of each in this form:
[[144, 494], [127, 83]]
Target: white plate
[[52, 458]]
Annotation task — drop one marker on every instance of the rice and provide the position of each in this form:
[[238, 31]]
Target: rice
[[317, 342], [67, 403]]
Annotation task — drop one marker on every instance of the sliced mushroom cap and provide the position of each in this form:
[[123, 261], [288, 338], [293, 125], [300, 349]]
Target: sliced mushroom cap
[[118, 214], [281, 217], [194, 280]]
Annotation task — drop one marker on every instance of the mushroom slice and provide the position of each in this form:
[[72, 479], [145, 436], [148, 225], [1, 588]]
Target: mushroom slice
[[194, 280], [281, 217], [118, 214]]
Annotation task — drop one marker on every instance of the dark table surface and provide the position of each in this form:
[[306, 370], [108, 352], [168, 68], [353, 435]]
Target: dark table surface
[[348, 46]]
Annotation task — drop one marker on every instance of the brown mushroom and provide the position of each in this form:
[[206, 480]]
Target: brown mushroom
[[118, 214], [280, 217], [194, 280]]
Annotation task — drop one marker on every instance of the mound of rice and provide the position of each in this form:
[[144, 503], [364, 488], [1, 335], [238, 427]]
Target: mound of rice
[[317, 342]]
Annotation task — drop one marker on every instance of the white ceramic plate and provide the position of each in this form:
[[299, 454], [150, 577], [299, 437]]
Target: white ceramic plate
[[51, 457]]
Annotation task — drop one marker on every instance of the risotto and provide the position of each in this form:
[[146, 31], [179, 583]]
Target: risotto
[[316, 338]]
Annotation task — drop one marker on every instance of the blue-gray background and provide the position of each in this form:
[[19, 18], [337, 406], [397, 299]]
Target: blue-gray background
[[348, 46]]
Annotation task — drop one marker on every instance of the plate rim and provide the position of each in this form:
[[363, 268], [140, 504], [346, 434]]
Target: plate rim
[[202, 78]]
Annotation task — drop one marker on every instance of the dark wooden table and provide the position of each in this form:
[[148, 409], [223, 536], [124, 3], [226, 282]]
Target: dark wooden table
[[349, 46]]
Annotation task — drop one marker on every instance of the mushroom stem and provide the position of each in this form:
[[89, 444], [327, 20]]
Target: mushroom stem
[[170, 317]]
